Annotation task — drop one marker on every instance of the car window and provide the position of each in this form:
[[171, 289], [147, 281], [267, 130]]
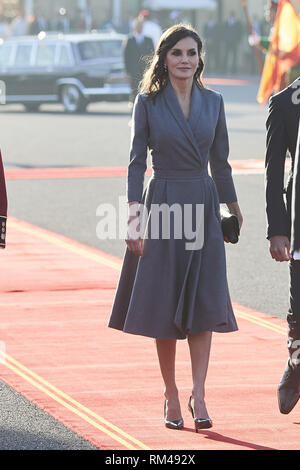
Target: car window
[[5, 54], [23, 55], [45, 55], [64, 56], [90, 50], [112, 48]]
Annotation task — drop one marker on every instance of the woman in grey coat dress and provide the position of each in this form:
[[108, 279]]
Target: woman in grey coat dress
[[168, 288]]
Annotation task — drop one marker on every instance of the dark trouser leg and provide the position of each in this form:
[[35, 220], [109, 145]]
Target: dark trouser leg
[[289, 387], [293, 317]]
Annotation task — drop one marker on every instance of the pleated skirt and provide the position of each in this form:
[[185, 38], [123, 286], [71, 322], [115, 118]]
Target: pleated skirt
[[171, 291]]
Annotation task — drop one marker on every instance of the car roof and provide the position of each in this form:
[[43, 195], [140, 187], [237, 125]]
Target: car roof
[[56, 36]]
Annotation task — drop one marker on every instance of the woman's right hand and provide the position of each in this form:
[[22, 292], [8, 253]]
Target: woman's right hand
[[133, 239]]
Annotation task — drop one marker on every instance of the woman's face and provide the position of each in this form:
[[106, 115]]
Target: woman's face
[[183, 59]]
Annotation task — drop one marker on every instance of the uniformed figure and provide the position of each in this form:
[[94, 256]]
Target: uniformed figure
[[282, 130], [3, 206]]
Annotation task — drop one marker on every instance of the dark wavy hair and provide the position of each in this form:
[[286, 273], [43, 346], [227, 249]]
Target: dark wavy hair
[[156, 77]]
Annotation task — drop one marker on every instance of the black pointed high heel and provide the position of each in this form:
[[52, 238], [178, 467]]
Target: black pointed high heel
[[176, 424], [199, 423]]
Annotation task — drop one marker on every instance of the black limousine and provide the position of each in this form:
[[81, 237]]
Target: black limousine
[[73, 69]]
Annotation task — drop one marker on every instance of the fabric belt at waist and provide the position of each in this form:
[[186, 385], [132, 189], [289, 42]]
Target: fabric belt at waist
[[179, 174]]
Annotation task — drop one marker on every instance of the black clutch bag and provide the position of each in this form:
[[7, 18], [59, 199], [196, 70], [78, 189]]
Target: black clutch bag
[[230, 226]]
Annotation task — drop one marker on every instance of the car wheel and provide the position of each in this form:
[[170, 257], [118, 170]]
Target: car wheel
[[72, 99], [32, 107]]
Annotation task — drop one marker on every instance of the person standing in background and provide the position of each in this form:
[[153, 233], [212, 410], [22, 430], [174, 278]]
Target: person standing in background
[[233, 31], [135, 49], [39, 23], [151, 27], [20, 25]]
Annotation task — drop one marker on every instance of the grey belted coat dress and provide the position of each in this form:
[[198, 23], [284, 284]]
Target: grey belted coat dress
[[171, 292]]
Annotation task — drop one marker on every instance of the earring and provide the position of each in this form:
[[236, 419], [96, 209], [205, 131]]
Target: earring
[[166, 68]]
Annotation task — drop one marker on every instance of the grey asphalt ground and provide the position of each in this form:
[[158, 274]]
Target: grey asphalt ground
[[24, 426], [101, 138]]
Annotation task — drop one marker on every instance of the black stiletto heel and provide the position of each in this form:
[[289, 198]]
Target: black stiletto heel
[[176, 424], [199, 423]]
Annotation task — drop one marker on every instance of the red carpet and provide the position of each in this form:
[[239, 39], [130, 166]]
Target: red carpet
[[105, 385], [239, 167]]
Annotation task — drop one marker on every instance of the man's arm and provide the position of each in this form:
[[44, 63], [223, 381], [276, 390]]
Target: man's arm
[[278, 230], [277, 145]]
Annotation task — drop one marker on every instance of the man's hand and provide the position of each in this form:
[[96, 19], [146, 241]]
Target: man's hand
[[133, 239], [280, 248]]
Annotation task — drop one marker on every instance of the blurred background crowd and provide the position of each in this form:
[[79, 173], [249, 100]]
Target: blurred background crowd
[[222, 24]]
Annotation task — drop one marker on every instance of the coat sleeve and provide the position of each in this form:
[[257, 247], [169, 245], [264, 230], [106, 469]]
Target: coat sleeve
[[3, 206], [220, 168], [277, 145], [138, 151]]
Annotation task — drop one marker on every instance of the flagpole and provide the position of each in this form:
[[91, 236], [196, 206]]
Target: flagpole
[[256, 49]]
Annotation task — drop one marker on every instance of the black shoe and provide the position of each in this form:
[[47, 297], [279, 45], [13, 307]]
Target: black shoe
[[199, 423], [289, 388], [176, 424]]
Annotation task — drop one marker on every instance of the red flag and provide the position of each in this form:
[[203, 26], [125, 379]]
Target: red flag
[[284, 50]]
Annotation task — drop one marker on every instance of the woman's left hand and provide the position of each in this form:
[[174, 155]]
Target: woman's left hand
[[234, 208]]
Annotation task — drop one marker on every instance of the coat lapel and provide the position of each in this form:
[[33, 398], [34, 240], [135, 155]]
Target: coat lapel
[[174, 107], [196, 107]]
